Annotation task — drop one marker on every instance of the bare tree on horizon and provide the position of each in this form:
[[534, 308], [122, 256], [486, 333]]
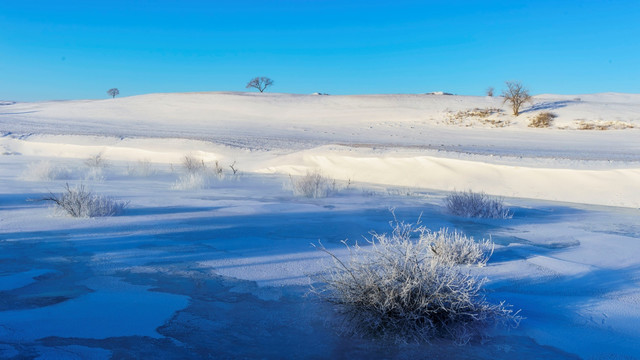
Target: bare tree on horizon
[[113, 92], [489, 91], [261, 83], [517, 95]]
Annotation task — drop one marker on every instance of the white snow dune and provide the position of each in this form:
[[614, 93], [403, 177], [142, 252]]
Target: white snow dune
[[423, 141]]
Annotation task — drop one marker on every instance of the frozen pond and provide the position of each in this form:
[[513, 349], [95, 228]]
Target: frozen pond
[[223, 272]]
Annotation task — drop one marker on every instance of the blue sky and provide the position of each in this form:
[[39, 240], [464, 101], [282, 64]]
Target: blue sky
[[80, 49]]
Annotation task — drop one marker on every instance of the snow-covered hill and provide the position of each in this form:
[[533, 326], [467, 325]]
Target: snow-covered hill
[[442, 142]]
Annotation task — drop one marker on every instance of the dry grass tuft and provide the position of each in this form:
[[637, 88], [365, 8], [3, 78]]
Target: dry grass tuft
[[542, 120], [603, 125], [477, 116]]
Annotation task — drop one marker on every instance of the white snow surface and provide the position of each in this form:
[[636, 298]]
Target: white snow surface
[[402, 140], [219, 267]]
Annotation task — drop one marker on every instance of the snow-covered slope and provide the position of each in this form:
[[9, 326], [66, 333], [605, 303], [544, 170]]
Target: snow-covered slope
[[427, 141]]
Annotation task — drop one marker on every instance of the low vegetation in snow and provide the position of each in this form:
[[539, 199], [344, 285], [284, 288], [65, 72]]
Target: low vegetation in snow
[[96, 166], [192, 181], [457, 248], [191, 164], [96, 161], [142, 168], [45, 171], [313, 185], [492, 117], [542, 120], [603, 125], [79, 202], [397, 289], [476, 205]]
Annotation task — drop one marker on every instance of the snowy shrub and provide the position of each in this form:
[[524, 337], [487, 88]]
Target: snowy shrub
[[78, 202], [191, 164], [542, 120], [142, 168], [313, 185], [96, 161], [457, 248], [96, 166], [192, 181], [478, 205], [198, 175], [44, 171], [397, 290], [95, 174]]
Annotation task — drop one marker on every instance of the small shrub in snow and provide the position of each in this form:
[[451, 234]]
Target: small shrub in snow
[[477, 205], [313, 185], [96, 166], [542, 120], [191, 164], [489, 91], [96, 161], [44, 171], [79, 202], [95, 174], [142, 168], [198, 174], [397, 290], [194, 165], [192, 181], [457, 248]]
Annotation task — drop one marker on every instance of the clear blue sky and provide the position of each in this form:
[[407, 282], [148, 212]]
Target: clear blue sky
[[79, 49]]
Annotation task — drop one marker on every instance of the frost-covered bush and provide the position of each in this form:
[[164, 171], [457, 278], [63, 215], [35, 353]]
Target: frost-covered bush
[[96, 166], [198, 174], [192, 164], [79, 202], [44, 171], [395, 289], [95, 174], [192, 181], [457, 248], [476, 205], [96, 161], [142, 168], [313, 185]]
